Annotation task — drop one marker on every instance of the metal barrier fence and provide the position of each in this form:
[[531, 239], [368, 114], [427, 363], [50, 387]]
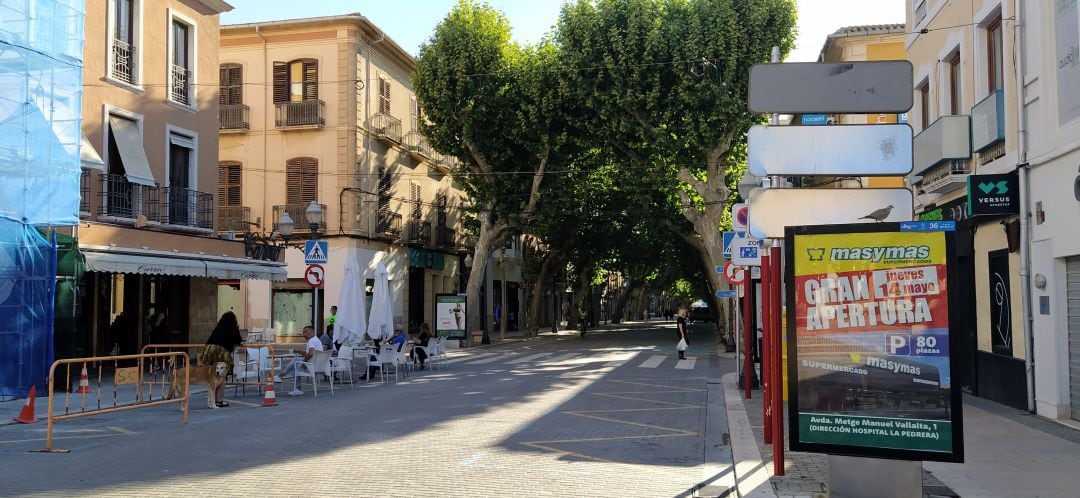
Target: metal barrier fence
[[194, 349], [121, 376]]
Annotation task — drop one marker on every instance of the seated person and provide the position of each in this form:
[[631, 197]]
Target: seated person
[[399, 338], [328, 339], [313, 345], [422, 340]]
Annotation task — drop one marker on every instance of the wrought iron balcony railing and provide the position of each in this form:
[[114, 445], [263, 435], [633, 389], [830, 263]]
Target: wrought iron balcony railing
[[180, 85], [417, 146], [386, 127], [235, 218], [84, 192], [123, 61], [388, 224], [299, 216], [233, 117], [123, 199], [187, 208], [446, 237], [418, 232], [307, 113]]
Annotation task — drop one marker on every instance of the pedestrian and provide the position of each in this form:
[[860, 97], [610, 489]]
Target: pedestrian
[[680, 327], [159, 329], [219, 347], [333, 315], [328, 339], [422, 340]]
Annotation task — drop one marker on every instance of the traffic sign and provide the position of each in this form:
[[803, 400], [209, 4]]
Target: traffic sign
[[868, 87], [851, 150], [740, 216], [316, 252], [314, 275], [733, 274], [728, 238], [727, 293], [776, 208], [814, 119], [746, 252]]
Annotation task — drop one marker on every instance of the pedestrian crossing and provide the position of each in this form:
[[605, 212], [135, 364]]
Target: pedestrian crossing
[[609, 359]]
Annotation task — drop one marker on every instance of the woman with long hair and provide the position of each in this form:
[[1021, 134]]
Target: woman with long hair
[[219, 347]]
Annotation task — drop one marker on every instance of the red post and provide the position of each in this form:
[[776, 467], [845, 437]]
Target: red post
[[748, 335], [767, 385], [776, 282]]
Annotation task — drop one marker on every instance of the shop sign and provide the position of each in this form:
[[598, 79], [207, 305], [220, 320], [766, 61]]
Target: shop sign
[[869, 337], [450, 316], [993, 194]]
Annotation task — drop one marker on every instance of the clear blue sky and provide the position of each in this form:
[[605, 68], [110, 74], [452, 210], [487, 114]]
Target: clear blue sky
[[410, 22]]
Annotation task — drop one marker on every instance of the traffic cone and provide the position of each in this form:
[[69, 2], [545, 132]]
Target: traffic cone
[[26, 416], [84, 383], [270, 399]]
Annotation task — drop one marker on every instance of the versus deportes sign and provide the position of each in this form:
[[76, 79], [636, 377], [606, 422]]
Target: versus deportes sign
[[869, 342], [993, 194]]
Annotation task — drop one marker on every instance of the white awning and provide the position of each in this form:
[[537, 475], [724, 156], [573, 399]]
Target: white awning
[[129, 143], [90, 159], [183, 264], [245, 271]]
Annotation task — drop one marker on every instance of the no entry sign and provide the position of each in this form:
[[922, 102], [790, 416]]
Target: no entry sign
[[314, 275]]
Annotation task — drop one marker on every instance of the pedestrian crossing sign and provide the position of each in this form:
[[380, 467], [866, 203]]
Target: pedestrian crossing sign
[[315, 252]]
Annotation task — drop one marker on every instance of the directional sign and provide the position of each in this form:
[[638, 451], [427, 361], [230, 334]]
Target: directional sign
[[314, 275], [851, 150], [746, 252], [776, 208], [727, 293], [316, 252], [733, 274], [740, 216], [814, 119], [870, 87]]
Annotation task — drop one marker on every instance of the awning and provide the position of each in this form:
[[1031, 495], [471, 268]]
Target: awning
[[192, 266], [129, 143], [90, 159]]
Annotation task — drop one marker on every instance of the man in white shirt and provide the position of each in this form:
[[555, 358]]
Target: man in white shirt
[[313, 345]]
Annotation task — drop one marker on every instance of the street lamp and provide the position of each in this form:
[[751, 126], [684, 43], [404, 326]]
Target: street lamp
[[285, 227], [747, 184]]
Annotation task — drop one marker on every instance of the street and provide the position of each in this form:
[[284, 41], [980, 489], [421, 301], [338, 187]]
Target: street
[[610, 414]]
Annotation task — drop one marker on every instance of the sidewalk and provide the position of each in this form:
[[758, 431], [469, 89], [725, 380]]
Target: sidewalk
[[1008, 453]]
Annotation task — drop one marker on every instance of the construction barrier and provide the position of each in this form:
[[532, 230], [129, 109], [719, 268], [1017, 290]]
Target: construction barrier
[[121, 376], [193, 351]]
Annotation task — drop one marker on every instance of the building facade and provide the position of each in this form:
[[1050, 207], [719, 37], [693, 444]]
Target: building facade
[[322, 110], [150, 122], [965, 121]]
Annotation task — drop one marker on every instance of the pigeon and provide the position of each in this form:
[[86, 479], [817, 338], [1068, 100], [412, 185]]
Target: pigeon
[[879, 215]]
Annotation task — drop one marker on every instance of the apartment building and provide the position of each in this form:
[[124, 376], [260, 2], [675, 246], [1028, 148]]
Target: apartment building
[[965, 121], [149, 120], [322, 110]]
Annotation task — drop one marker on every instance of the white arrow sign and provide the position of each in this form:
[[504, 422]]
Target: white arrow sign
[[776, 208]]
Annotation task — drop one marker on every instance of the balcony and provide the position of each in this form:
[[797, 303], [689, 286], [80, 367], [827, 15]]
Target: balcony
[[988, 121], [123, 200], [84, 194], [180, 86], [444, 163], [946, 177], [388, 225], [386, 128], [946, 139], [446, 238], [123, 62], [184, 207], [417, 146], [304, 114], [418, 232], [234, 117], [299, 217], [234, 218]]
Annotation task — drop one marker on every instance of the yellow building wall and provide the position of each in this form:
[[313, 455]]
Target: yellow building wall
[[987, 239]]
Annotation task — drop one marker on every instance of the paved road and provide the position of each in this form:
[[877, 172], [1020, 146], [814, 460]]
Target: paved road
[[610, 414]]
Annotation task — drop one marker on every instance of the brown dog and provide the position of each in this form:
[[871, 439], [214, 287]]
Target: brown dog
[[211, 375]]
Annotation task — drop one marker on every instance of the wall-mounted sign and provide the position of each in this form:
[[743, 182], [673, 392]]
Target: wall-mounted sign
[[993, 194], [869, 340], [450, 316], [849, 150], [773, 209], [814, 119], [866, 87]]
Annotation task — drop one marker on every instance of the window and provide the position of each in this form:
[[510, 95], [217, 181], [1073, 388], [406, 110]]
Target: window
[[924, 105], [920, 11], [414, 197], [229, 186], [440, 213], [302, 179], [993, 55], [122, 42], [414, 114], [384, 95], [180, 197], [954, 84], [232, 84], [385, 183], [181, 61], [296, 81]]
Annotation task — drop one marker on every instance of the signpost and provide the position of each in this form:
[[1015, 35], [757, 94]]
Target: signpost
[[746, 252], [733, 274], [775, 209], [869, 329], [831, 88], [316, 252], [729, 238], [852, 150], [740, 217], [314, 275], [727, 293]]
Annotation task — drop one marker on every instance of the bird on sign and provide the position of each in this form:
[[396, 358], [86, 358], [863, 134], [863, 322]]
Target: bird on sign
[[879, 215]]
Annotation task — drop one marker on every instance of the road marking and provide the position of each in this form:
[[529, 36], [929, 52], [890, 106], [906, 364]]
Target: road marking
[[244, 403], [493, 359], [527, 358], [646, 384], [686, 364], [471, 357], [117, 431], [653, 361], [615, 363], [556, 359]]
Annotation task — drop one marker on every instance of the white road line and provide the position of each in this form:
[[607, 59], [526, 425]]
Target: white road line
[[527, 358], [471, 357], [615, 363], [493, 359], [653, 361], [687, 364], [561, 358]]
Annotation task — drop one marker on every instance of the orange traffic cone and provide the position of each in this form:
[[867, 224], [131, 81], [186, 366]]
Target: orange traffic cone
[[84, 383], [26, 416], [270, 399]]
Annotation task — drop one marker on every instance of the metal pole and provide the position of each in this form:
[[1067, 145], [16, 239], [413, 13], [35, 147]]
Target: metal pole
[[778, 365], [767, 385], [748, 357]]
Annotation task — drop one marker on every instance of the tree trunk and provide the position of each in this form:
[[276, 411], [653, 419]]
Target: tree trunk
[[581, 298], [489, 231], [551, 261], [624, 297]]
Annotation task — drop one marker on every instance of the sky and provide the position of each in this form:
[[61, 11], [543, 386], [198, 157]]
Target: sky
[[411, 22]]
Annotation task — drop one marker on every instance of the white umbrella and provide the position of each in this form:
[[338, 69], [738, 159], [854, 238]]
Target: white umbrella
[[381, 319], [351, 322]]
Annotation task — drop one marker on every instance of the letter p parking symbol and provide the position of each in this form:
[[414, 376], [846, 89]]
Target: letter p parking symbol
[[897, 344]]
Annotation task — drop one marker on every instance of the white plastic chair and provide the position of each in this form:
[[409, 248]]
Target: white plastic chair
[[269, 335], [343, 363], [387, 356], [429, 352], [319, 365], [244, 371], [264, 361], [402, 358], [440, 353]]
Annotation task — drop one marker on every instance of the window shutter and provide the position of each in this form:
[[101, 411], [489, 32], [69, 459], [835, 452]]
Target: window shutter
[[281, 82], [415, 194], [311, 79], [385, 182], [384, 95], [232, 85], [311, 180], [293, 182], [229, 186]]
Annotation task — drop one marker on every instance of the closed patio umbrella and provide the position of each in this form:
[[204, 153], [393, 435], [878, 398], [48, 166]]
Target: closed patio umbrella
[[381, 319], [351, 322]]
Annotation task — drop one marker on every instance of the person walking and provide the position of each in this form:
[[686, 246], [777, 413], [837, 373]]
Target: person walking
[[219, 347], [680, 327]]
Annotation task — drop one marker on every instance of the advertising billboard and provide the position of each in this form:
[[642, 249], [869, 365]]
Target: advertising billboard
[[450, 316], [869, 317]]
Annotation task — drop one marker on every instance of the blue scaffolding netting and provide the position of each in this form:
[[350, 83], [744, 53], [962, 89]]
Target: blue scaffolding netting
[[27, 284]]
